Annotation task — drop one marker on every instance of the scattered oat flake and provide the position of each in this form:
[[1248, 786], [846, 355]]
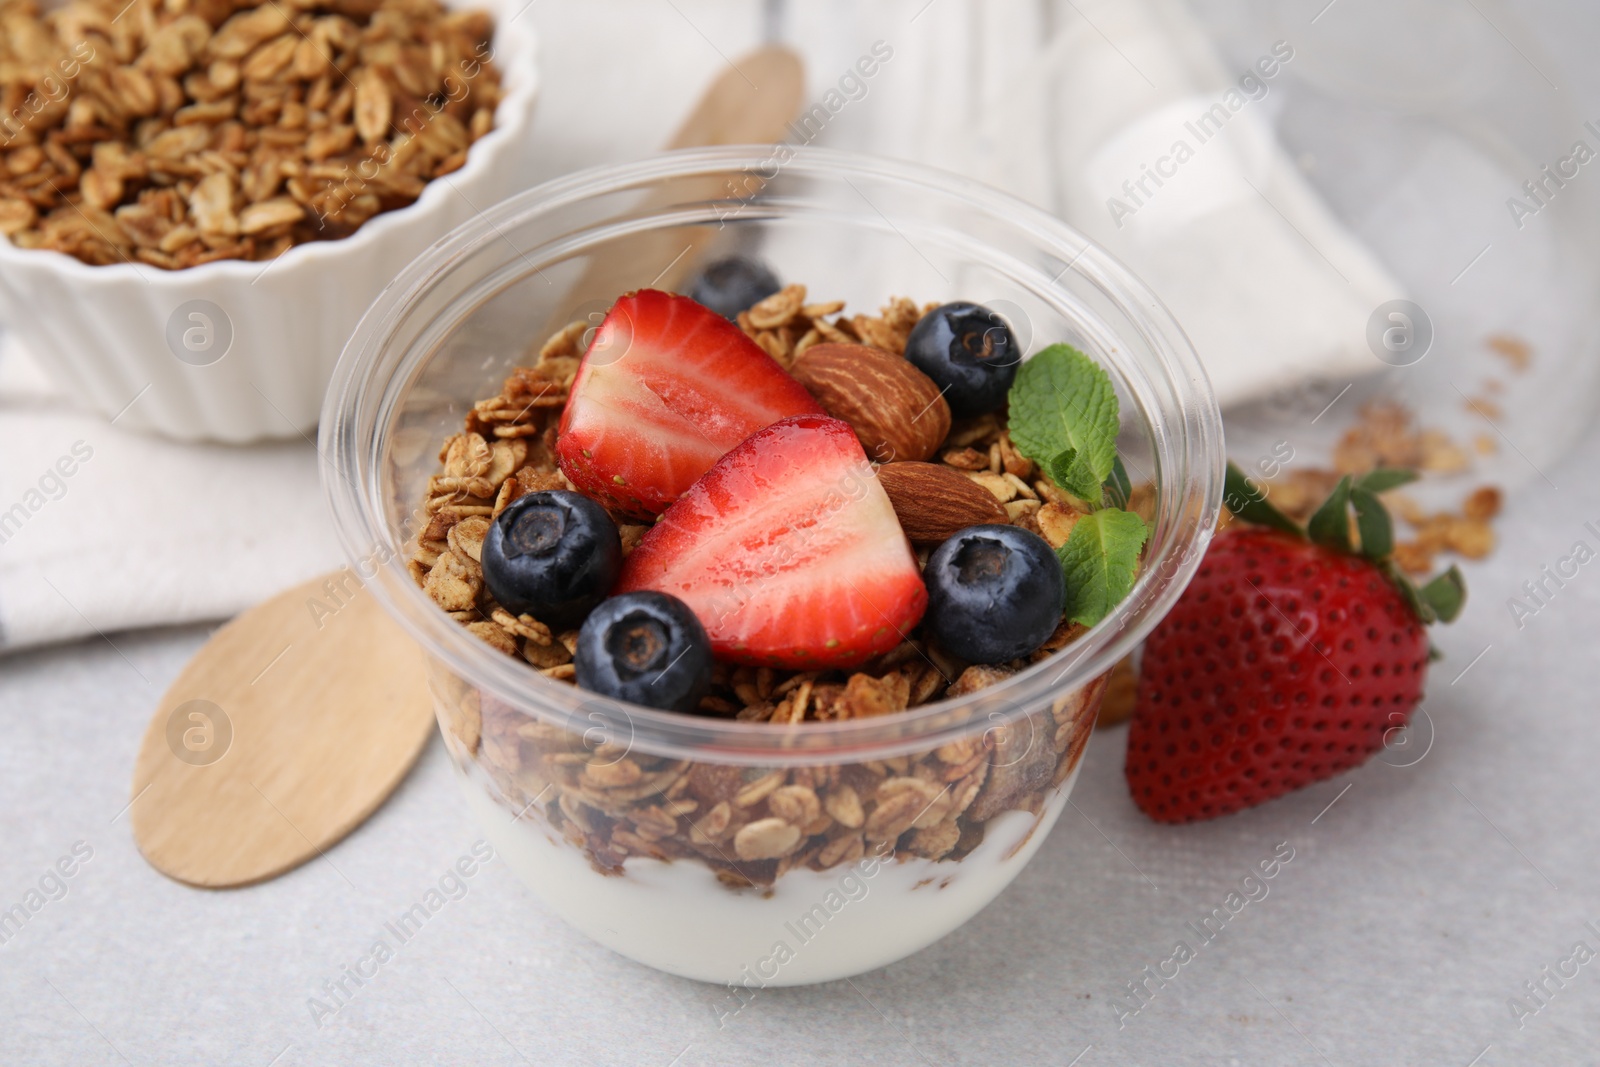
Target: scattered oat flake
[[1513, 350]]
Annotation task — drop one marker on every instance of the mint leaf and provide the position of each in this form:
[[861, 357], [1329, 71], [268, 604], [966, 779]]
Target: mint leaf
[[1070, 472], [1063, 400], [1118, 489], [1099, 561]]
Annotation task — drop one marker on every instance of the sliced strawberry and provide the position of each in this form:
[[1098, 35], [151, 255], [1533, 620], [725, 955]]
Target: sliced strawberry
[[788, 551], [664, 391]]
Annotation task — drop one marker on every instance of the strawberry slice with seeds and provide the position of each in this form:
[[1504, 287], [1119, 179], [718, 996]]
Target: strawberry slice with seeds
[[665, 389], [788, 551]]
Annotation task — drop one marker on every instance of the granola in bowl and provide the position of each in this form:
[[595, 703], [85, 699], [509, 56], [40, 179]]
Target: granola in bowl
[[176, 173], [180, 134]]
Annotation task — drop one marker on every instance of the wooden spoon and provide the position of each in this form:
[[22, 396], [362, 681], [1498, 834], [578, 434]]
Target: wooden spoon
[[295, 722], [752, 102], [283, 733]]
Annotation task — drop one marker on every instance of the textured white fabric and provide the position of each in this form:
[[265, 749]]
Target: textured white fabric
[[142, 531]]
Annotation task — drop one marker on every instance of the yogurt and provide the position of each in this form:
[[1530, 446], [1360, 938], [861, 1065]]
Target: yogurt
[[810, 926]]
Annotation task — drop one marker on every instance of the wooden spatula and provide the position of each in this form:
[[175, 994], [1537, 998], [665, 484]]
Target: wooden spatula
[[292, 725]]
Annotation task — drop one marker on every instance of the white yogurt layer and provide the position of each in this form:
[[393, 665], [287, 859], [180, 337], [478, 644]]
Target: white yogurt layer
[[812, 926]]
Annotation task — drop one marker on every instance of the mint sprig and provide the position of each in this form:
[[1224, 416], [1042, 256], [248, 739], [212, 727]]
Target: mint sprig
[[1065, 417], [1062, 401], [1072, 472], [1118, 488], [1100, 560]]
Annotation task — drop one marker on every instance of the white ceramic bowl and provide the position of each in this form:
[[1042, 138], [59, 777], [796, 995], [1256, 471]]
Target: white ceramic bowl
[[238, 351]]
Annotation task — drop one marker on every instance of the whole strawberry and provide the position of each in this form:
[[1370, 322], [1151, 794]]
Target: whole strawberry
[[1288, 659]]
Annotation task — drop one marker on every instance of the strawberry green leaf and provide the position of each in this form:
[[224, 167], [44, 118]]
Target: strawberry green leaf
[[1385, 478], [1248, 501], [1099, 560], [1070, 472], [1063, 400], [1409, 592], [1445, 594], [1330, 525], [1118, 488], [1373, 522]]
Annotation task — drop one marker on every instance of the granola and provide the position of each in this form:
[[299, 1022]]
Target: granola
[[749, 824], [189, 131]]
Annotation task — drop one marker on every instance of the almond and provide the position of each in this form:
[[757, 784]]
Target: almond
[[934, 501], [895, 409]]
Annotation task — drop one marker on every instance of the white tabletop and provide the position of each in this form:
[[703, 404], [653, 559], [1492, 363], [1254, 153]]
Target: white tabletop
[[1420, 898], [1413, 909]]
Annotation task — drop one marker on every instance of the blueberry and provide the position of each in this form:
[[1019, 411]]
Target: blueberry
[[646, 648], [994, 593], [969, 352], [553, 555], [729, 286]]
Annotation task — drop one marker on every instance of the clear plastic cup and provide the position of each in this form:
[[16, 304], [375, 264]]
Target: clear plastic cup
[[751, 853]]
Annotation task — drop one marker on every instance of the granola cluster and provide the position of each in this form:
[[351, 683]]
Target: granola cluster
[[750, 824], [753, 824], [784, 325], [186, 131]]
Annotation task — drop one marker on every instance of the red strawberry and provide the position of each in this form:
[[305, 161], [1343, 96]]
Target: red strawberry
[[788, 551], [664, 390], [1286, 661]]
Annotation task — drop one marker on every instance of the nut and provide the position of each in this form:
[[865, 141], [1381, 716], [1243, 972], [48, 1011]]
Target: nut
[[933, 501], [895, 409]]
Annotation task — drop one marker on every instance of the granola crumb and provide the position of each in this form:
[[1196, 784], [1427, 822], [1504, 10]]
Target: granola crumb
[[1514, 350]]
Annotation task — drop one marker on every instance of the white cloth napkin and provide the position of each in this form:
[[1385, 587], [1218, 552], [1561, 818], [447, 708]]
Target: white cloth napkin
[[104, 529], [1161, 154], [1054, 101]]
